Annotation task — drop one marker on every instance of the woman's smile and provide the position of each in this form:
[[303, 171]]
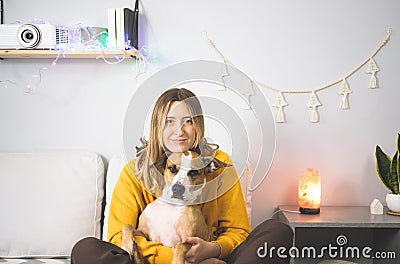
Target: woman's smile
[[179, 141]]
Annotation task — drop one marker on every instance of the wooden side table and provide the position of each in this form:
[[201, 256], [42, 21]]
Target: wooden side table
[[342, 233]]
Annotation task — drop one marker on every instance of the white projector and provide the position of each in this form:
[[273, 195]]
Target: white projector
[[27, 36]]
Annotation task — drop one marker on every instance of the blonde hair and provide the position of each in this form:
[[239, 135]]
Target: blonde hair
[[151, 155]]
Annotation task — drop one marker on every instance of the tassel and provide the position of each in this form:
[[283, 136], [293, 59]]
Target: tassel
[[314, 103], [222, 74], [246, 105], [345, 102], [222, 87], [280, 102], [345, 91], [248, 92], [314, 115], [280, 116], [373, 82]]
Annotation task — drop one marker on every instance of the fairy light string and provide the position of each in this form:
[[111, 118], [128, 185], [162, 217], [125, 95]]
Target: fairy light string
[[6, 82], [313, 103], [92, 42]]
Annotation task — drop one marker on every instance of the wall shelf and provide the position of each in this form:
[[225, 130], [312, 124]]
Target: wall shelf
[[73, 54]]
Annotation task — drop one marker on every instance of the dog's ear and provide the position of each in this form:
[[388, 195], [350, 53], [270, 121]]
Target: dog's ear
[[215, 165], [160, 163]]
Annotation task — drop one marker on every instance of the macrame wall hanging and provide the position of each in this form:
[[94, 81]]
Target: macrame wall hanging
[[313, 102]]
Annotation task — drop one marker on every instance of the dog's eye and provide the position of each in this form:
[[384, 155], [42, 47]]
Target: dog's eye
[[193, 173], [173, 169]]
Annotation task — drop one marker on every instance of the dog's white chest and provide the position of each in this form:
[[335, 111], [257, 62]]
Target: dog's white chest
[[161, 220]]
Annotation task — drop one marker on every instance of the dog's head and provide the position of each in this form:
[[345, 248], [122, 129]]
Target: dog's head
[[185, 175]]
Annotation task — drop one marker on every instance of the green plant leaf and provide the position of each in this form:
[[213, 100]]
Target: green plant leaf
[[394, 177], [398, 142], [398, 171], [398, 168], [398, 158], [383, 167]]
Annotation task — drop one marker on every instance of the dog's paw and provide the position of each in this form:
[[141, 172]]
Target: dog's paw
[[127, 242], [179, 253]]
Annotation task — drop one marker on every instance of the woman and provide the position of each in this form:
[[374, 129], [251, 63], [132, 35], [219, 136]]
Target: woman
[[177, 125]]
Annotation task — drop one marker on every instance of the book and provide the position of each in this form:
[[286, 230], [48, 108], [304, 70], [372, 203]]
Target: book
[[119, 28], [123, 27], [131, 26], [112, 37]]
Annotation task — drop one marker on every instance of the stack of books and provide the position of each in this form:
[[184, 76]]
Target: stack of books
[[123, 28]]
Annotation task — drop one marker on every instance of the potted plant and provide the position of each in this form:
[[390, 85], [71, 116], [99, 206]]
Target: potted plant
[[389, 172]]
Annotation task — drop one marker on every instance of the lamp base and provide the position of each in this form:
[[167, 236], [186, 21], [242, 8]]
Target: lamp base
[[309, 210]]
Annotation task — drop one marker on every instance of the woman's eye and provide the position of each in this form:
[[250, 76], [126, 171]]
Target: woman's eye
[[193, 173], [169, 121], [189, 121], [173, 169]]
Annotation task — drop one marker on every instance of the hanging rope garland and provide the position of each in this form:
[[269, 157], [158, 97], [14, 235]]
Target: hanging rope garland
[[313, 103]]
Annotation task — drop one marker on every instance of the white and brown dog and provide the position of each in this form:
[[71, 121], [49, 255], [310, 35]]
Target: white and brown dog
[[177, 213]]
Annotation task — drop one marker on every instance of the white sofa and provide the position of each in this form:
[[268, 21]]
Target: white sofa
[[50, 200]]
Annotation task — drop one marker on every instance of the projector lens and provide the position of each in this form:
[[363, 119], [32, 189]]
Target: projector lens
[[29, 36]]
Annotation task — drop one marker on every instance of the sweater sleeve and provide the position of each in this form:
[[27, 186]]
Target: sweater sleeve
[[128, 201], [233, 222]]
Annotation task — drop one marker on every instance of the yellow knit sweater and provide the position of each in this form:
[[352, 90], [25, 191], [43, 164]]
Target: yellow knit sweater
[[226, 215]]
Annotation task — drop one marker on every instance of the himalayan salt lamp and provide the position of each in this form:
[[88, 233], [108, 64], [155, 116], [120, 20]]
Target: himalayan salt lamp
[[310, 192]]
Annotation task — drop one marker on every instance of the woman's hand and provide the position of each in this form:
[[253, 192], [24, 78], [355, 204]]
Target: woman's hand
[[202, 251]]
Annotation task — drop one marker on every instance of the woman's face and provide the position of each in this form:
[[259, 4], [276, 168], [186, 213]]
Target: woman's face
[[179, 133]]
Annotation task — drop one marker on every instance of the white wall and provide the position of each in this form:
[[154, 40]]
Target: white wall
[[291, 45]]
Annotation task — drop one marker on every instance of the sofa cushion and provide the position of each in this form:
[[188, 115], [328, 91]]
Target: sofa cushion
[[35, 261], [49, 201], [114, 169]]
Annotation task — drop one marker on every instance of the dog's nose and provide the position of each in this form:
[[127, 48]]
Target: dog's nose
[[178, 190]]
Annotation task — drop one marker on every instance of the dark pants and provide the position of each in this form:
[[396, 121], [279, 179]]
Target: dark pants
[[91, 250], [262, 244], [270, 234]]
